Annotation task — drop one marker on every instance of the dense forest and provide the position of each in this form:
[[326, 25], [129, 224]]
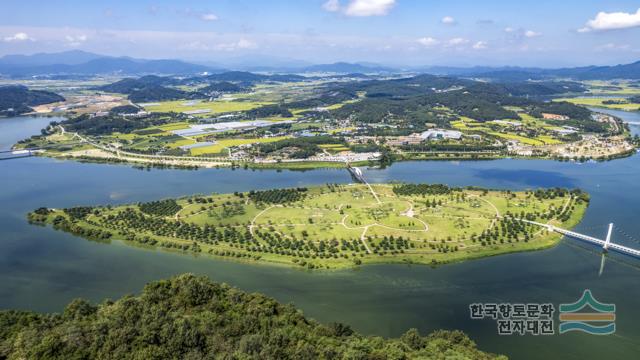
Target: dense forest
[[190, 317], [269, 111], [18, 99], [223, 87], [304, 146], [150, 88], [161, 93], [543, 88], [105, 125], [128, 85], [326, 97], [124, 109], [412, 98]]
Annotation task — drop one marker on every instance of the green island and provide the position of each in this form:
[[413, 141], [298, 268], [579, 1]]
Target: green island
[[335, 225], [190, 317]]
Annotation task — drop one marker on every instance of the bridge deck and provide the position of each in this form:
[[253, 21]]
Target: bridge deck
[[611, 246]]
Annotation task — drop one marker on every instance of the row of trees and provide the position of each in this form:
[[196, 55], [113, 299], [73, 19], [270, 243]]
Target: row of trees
[[167, 207], [79, 212], [278, 196], [423, 189], [61, 223]]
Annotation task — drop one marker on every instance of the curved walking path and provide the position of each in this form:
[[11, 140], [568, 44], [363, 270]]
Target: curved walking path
[[253, 221], [363, 239]]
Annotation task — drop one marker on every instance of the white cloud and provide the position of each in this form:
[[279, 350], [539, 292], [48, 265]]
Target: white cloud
[[531, 34], [20, 36], [213, 45], [612, 21], [453, 43], [457, 41], [242, 44], [613, 46], [75, 40], [369, 7], [208, 17], [428, 41], [331, 5], [480, 45], [360, 8], [518, 35], [448, 20], [246, 44]]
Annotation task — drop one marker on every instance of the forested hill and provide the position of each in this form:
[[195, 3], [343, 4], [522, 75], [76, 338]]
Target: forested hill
[[17, 99], [150, 88], [190, 317], [411, 98]]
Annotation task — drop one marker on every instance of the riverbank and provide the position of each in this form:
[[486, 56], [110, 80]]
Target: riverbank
[[43, 270]]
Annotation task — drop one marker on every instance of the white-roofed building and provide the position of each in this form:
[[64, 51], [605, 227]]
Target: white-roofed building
[[436, 134]]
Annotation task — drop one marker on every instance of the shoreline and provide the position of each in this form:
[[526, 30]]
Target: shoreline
[[312, 165], [93, 229]]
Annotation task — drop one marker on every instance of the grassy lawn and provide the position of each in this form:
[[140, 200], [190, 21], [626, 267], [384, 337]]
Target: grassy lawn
[[222, 144], [334, 147], [181, 142], [332, 226], [174, 126]]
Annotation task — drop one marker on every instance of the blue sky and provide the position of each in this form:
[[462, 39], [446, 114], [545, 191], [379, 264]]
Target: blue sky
[[397, 32]]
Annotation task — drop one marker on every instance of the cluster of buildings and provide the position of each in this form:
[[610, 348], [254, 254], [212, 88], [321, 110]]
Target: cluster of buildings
[[197, 145], [548, 116], [203, 129], [440, 134], [429, 135], [566, 130]]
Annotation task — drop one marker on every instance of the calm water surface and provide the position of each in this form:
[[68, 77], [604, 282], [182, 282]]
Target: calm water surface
[[41, 269]]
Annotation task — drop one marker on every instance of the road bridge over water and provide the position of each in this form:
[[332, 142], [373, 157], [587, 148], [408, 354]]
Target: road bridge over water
[[357, 174], [605, 244]]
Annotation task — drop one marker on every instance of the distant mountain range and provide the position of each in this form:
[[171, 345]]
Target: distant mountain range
[[622, 71], [73, 57], [81, 63], [348, 68]]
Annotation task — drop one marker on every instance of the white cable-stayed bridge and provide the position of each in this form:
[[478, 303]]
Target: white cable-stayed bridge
[[606, 244]]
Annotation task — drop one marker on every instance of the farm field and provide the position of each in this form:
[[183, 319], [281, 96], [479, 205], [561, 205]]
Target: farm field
[[612, 88], [505, 131], [335, 226], [598, 102]]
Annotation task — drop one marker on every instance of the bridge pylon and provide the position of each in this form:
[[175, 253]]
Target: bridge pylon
[[608, 239]]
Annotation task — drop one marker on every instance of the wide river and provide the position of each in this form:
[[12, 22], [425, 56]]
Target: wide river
[[42, 269]]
